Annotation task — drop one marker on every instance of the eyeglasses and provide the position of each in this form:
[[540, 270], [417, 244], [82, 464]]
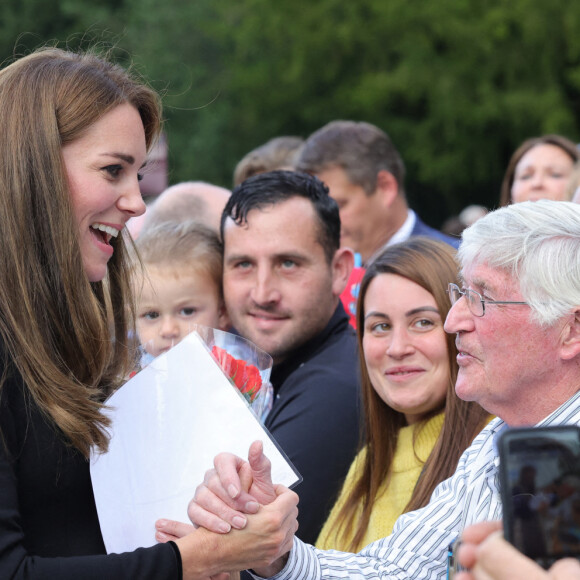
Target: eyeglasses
[[475, 301]]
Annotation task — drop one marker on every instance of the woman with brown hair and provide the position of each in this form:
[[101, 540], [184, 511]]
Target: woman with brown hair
[[540, 168], [416, 428], [76, 130]]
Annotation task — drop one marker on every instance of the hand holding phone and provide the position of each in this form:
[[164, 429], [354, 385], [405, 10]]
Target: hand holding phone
[[540, 491]]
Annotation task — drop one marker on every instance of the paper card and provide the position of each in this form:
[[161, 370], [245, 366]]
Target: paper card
[[168, 423]]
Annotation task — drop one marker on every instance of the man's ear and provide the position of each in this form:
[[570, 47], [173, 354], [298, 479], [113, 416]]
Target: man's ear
[[342, 265], [571, 337], [387, 187]]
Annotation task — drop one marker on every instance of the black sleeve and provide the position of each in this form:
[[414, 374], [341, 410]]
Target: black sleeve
[[158, 562], [72, 547], [316, 422]]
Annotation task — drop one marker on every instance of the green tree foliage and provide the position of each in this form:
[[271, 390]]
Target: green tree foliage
[[28, 24], [456, 84]]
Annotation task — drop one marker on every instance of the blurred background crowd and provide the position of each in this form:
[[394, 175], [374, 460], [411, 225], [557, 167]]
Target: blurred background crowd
[[457, 86]]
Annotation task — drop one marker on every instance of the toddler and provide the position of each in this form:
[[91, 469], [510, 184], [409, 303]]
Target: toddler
[[179, 285]]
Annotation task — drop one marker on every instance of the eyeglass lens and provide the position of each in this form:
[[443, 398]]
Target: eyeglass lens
[[473, 299]]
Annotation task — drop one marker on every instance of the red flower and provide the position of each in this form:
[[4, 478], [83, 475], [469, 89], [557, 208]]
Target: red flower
[[244, 376]]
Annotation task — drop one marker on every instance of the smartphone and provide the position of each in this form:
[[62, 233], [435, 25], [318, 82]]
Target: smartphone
[[540, 491]]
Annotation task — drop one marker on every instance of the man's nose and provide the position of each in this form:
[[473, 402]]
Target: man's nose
[[459, 317], [265, 289]]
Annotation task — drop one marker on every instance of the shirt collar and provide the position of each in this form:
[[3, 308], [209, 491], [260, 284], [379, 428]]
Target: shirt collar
[[404, 232], [569, 412]]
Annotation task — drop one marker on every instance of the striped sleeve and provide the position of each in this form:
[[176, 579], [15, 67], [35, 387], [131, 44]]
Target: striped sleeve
[[417, 548]]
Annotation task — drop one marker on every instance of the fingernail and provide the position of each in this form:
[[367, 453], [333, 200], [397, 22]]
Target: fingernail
[[224, 528], [233, 491], [239, 522], [161, 537], [252, 507], [160, 524]]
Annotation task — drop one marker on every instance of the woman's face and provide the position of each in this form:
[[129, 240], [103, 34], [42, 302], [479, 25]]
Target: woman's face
[[102, 168], [542, 173], [404, 346]]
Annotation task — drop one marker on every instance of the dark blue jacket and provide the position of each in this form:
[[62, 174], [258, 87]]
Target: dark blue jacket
[[422, 229]]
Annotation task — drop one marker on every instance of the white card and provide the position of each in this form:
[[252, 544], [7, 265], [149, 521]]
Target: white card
[[168, 423]]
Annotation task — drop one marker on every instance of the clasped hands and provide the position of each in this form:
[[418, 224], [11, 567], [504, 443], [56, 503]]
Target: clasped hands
[[239, 496]]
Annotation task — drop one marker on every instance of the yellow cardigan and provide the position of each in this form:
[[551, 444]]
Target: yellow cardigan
[[393, 497]]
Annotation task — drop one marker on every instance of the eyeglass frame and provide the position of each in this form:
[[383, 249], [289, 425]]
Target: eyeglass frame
[[452, 288]]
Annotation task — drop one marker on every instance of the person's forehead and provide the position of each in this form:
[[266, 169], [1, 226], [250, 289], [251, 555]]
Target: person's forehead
[[486, 277], [337, 180], [544, 154], [291, 227]]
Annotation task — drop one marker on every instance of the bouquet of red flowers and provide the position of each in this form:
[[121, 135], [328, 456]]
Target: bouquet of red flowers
[[246, 366], [246, 377], [205, 395]]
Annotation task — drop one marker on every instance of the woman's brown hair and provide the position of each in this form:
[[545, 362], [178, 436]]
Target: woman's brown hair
[[505, 197], [430, 264], [55, 325]]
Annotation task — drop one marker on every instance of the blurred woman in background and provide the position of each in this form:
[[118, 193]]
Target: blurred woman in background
[[540, 168]]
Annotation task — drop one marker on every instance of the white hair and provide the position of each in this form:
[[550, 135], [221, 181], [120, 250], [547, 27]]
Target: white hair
[[538, 244]]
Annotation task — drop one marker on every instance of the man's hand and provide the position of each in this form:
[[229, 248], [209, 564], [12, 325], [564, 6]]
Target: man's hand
[[233, 489], [235, 494], [263, 544], [489, 557]]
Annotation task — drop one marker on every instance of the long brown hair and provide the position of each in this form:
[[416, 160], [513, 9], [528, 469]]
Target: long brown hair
[[55, 325], [430, 264], [505, 197]]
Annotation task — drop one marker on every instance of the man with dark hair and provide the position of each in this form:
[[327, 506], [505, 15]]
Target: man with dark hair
[[283, 275], [365, 175]]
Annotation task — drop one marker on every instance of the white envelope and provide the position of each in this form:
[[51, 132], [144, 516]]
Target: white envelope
[[168, 423]]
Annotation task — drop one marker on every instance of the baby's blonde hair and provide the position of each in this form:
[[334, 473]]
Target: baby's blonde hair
[[189, 246]]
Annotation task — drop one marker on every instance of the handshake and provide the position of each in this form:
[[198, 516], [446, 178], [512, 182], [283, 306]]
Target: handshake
[[238, 496]]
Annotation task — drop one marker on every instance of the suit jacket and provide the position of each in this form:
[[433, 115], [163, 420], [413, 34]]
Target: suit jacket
[[422, 229]]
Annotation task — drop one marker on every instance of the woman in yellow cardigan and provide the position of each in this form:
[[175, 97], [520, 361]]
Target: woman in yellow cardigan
[[415, 426]]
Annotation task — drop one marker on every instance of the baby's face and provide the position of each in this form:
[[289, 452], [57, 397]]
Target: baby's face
[[171, 302]]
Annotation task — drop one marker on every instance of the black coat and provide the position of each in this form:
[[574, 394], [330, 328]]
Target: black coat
[[48, 520]]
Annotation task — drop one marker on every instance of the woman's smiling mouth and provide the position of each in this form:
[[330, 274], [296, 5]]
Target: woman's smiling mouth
[[108, 232]]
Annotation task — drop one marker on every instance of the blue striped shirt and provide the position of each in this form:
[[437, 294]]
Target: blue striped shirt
[[417, 548]]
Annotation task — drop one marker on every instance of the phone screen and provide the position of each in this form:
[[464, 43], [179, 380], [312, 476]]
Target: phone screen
[[540, 489]]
